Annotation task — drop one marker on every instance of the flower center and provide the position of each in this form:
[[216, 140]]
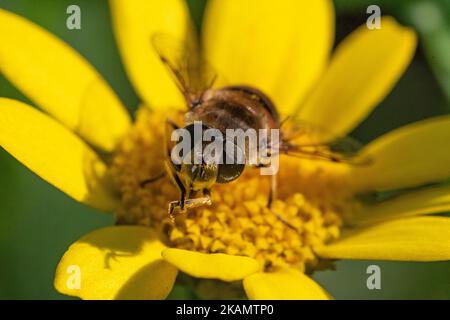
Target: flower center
[[311, 198]]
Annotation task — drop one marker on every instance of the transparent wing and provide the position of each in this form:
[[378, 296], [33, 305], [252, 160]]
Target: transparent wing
[[193, 75], [305, 140]]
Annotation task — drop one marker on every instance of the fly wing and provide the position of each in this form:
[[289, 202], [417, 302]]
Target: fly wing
[[192, 74], [303, 139]]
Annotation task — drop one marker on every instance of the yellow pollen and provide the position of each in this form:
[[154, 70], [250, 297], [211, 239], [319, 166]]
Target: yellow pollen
[[311, 197]]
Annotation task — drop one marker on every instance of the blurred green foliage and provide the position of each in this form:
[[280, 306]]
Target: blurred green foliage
[[37, 222]]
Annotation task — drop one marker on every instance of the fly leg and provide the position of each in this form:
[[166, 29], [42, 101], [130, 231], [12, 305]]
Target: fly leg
[[171, 170], [272, 198], [152, 180], [177, 204], [198, 202], [273, 190], [185, 204]]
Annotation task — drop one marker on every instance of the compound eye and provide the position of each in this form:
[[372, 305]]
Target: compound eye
[[191, 128], [233, 164], [229, 172]]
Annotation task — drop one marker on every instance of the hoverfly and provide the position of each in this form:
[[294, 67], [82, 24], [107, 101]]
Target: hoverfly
[[237, 107]]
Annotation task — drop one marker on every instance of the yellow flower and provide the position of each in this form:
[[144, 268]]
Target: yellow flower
[[279, 47]]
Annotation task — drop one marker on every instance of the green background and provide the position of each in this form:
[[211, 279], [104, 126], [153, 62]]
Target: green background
[[37, 222]]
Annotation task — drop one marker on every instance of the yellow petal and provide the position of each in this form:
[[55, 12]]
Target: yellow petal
[[425, 201], [211, 266], [135, 22], [363, 70], [60, 81], [55, 154], [409, 239], [410, 156], [285, 284], [116, 263], [280, 47]]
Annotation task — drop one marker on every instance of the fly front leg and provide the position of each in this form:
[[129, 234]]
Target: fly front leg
[[186, 204], [199, 202], [172, 170], [177, 204]]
